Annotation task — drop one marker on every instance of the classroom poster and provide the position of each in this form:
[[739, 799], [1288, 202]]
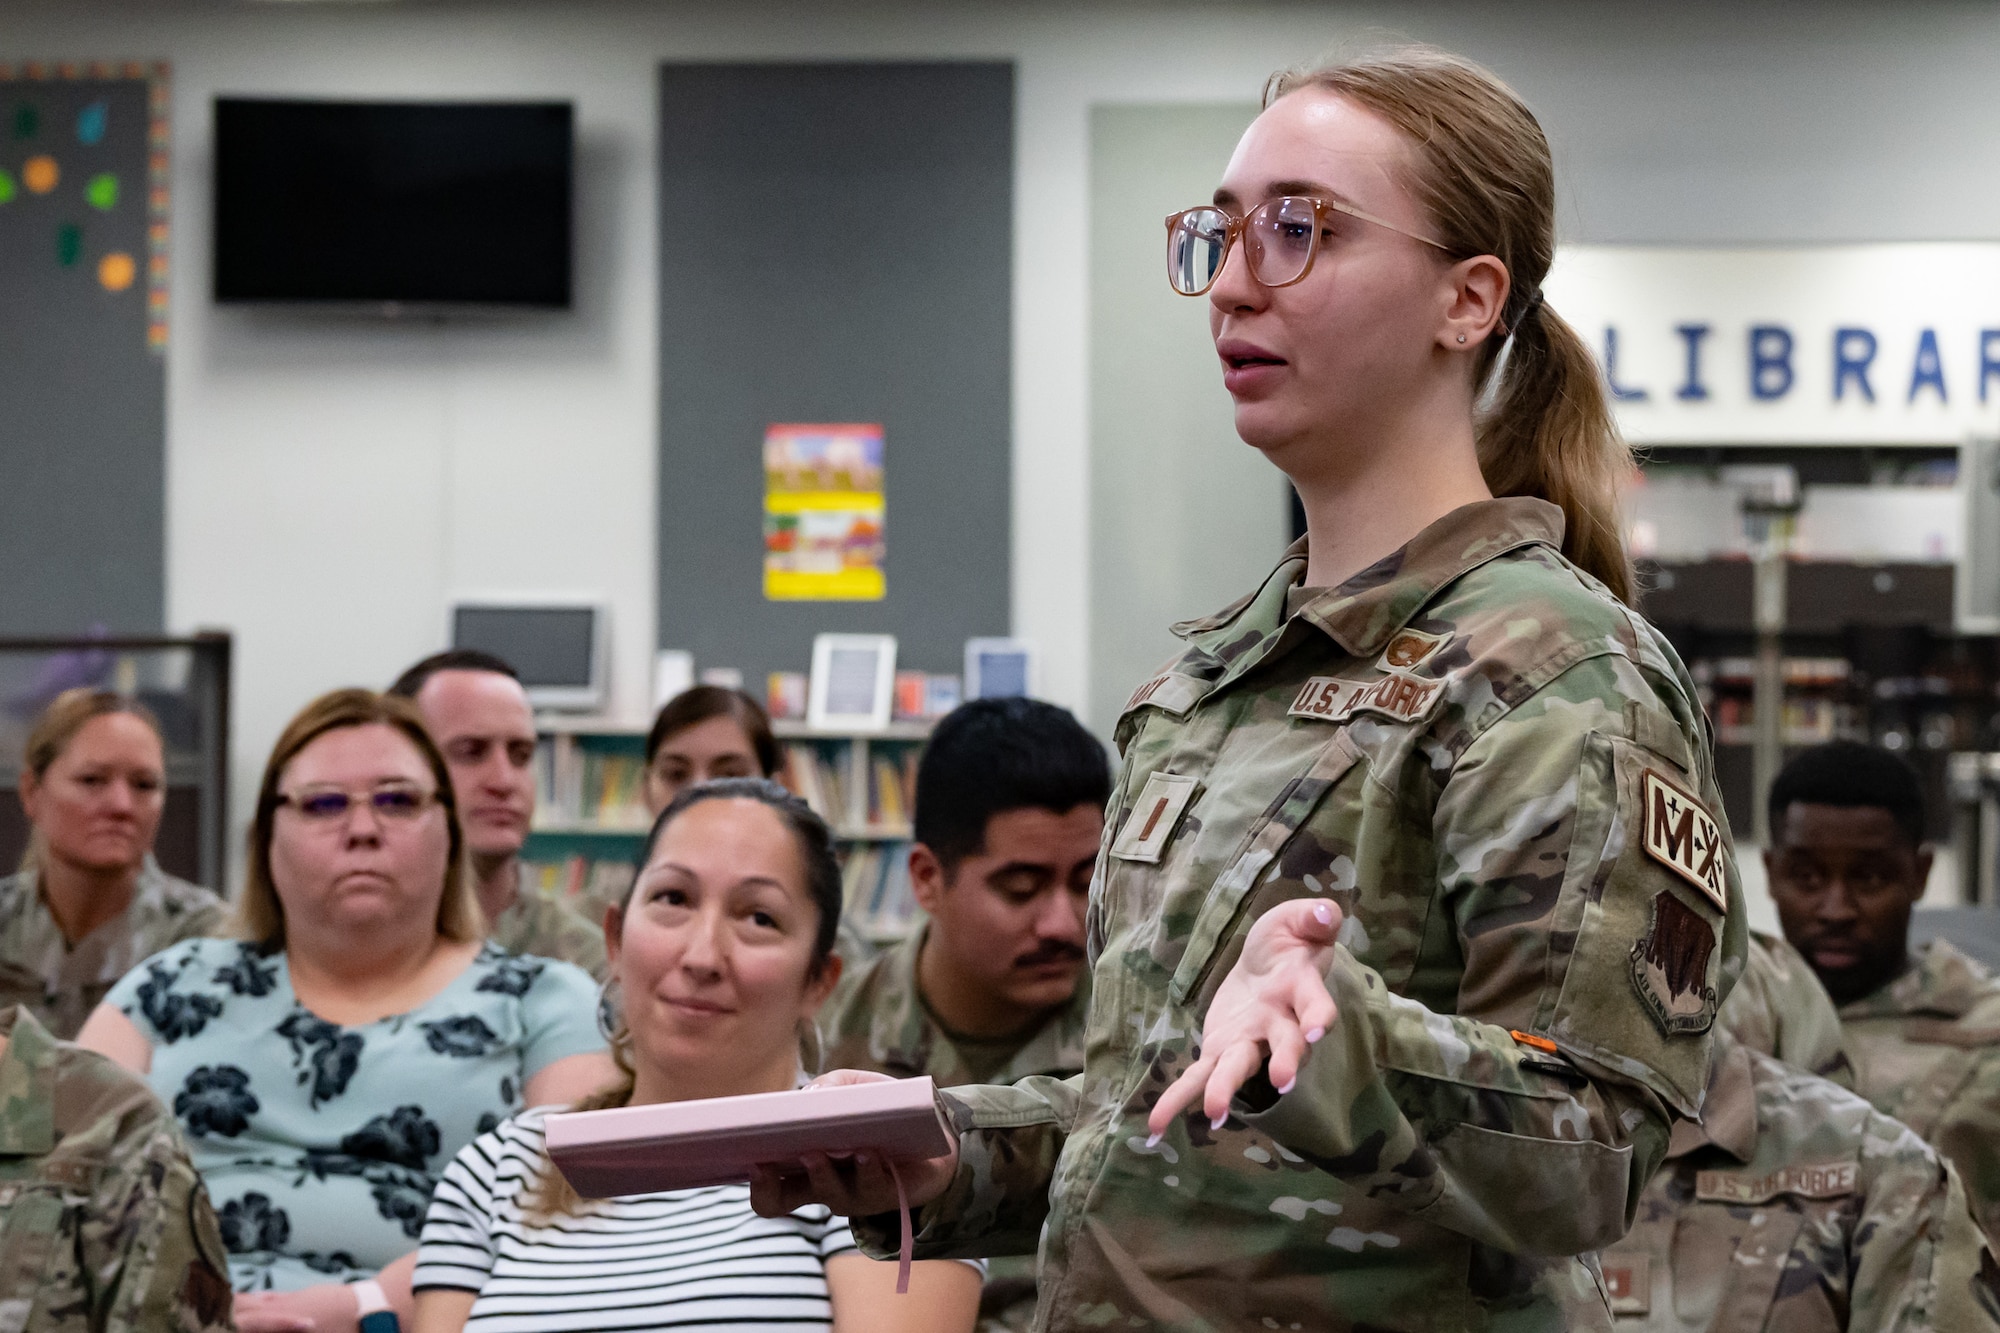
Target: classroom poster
[[823, 536]]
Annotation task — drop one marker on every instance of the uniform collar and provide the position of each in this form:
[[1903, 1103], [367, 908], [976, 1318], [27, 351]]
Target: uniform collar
[[1728, 1112], [1940, 981], [1364, 612], [901, 1032], [27, 1086], [904, 1034]]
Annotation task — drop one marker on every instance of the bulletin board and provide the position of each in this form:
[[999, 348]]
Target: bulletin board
[[83, 335]]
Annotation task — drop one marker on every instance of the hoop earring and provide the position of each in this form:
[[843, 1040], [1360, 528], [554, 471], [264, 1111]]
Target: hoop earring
[[608, 1005]]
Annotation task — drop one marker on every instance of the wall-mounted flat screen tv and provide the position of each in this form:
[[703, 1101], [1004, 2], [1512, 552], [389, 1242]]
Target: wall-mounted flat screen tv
[[389, 203]]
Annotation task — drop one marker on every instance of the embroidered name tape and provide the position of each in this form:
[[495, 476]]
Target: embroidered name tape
[[1330, 699], [1682, 836], [1831, 1181], [1170, 691], [1408, 650], [1153, 817]]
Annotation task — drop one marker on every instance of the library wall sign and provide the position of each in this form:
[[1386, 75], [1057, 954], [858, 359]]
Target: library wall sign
[[1834, 344]]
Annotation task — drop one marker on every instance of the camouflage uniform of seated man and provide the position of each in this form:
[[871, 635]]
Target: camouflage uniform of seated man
[[476, 709], [1847, 865], [104, 1225], [993, 989], [1793, 1205]]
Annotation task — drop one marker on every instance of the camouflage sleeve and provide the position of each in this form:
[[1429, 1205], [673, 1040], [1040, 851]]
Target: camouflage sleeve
[[1967, 1132], [1780, 1009], [1596, 905], [1966, 1279], [159, 1246], [1008, 1142]]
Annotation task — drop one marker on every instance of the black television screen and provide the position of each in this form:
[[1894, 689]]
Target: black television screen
[[442, 203]]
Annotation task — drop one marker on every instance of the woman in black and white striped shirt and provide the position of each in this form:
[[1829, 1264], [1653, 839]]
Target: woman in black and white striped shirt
[[723, 947]]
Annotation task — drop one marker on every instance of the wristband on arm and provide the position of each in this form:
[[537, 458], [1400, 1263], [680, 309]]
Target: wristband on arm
[[372, 1307]]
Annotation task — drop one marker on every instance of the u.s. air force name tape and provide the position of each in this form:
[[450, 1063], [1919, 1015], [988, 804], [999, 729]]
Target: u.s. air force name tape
[[1402, 697], [1830, 1181]]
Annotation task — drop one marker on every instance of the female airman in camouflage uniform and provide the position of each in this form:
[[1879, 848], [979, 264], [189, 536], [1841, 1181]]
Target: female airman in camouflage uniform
[[1416, 903]]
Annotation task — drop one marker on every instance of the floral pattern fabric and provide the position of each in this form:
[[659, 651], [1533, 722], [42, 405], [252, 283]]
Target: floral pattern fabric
[[321, 1144]]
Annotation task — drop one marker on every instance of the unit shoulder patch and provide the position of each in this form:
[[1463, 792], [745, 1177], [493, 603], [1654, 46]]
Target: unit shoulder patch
[[1397, 695], [1682, 836], [1670, 967], [1831, 1180]]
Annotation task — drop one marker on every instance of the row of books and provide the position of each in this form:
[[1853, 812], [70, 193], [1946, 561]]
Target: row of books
[[827, 779], [588, 885], [875, 889], [577, 784]]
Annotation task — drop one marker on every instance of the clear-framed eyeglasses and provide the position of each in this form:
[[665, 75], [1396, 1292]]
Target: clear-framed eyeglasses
[[1280, 238]]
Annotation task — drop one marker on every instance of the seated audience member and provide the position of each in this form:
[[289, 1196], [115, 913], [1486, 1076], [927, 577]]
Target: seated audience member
[[993, 989], [722, 950], [90, 901], [1792, 1204], [327, 1064], [703, 734], [478, 713], [1847, 863], [104, 1225], [1778, 1007]]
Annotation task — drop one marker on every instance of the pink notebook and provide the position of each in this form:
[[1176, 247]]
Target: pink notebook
[[684, 1145]]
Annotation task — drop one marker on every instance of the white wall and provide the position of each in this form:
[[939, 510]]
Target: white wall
[[329, 482]]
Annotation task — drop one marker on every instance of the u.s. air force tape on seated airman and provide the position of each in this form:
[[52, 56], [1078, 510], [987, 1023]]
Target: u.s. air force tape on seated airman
[[1403, 697], [1832, 1180]]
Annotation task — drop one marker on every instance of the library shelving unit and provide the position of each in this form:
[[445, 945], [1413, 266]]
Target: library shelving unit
[[590, 817]]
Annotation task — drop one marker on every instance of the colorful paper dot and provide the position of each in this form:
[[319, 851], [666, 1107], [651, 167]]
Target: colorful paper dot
[[40, 174], [7, 187], [90, 123], [102, 192], [69, 244], [26, 120], [116, 271]]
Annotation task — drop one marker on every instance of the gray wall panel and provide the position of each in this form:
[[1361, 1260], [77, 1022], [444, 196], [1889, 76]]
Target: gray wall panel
[[835, 245]]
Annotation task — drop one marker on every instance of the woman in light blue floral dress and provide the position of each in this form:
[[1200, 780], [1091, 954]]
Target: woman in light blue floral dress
[[326, 1067]]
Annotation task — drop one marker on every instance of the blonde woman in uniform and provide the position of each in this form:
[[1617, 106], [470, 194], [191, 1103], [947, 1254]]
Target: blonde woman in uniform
[[1416, 902]]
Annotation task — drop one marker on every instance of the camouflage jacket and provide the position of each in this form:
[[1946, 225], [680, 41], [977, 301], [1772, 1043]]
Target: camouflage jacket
[[104, 1226], [1926, 1050], [545, 928], [60, 983], [1780, 1009], [1501, 774], [1796, 1206], [876, 1019]]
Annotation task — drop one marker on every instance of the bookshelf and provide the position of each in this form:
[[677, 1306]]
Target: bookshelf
[[590, 814]]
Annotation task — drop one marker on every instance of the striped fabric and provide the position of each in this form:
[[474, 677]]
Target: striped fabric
[[683, 1259]]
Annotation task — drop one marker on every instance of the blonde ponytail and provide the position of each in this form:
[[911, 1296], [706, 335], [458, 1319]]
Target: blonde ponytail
[[1485, 176]]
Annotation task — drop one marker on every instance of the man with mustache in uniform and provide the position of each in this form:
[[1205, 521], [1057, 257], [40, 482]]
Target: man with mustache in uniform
[[1009, 812]]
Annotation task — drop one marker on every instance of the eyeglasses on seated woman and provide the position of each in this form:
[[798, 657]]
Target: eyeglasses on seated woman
[[327, 1063], [720, 953]]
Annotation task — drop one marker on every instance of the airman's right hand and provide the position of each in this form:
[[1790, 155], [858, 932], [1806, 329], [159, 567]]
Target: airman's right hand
[[856, 1186]]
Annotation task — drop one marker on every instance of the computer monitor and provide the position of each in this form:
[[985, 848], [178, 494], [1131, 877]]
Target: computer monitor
[[561, 647]]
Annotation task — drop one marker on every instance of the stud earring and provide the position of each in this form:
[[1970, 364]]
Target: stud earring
[[1461, 337]]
